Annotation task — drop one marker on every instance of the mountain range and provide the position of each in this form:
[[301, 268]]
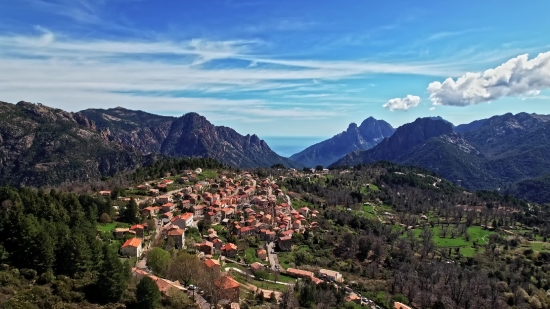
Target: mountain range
[[363, 137], [190, 135], [46, 146], [485, 154], [42, 146]]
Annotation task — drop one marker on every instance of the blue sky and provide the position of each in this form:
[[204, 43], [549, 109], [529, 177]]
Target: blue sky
[[280, 68]]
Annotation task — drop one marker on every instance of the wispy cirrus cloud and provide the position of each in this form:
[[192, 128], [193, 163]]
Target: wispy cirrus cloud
[[449, 34]]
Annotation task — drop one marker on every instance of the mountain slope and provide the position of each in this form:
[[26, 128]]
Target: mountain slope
[[191, 135], [363, 137], [40, 145], [405, 137], [536, 190], [490, 154]]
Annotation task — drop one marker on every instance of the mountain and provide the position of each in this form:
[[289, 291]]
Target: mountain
[[472, 126], [536, 189], [488, 154], [363, 137], [40, 146], [190, 135], [405, 137]]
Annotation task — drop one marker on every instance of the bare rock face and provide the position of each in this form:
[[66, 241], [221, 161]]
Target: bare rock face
[[46, 146], [363, 137], [190, 135], [485, 154]]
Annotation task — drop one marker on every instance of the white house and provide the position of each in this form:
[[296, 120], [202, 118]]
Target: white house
[[132, 247], [331, 274], [183, 221], [198, 170]]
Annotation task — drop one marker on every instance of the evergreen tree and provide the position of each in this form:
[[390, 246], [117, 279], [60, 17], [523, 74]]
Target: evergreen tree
[[111, 281], [131, 213], [147, 294]]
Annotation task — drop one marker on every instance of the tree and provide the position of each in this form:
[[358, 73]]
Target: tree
[[104, 218], [319, 168], [184, 268], [111, 281], [150, 225], [130, 214], [147, 294], [158, 260], [288, 300]]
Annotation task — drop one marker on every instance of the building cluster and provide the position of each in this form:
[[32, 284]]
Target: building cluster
[[245, 204]]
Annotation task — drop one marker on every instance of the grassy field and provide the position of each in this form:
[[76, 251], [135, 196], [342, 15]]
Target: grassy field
[[539, 246], [208, 174], [109, 227], [368, 212], [260, 284], [106, 227], [250, 256], [477, 234], [284, 259], [299, 204]]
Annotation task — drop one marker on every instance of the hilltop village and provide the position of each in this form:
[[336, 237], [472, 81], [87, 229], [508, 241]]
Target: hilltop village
[[237, 224]]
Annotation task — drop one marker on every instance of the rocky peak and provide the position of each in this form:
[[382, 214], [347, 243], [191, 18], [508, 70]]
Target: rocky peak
[[352, 127], [83, 121]]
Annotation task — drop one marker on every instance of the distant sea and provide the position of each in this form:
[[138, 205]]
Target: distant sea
[[289, 145]]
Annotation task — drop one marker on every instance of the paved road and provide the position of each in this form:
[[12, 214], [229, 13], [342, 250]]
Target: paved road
[[142, 264], [199, 300], [288, 200], [273, 259]]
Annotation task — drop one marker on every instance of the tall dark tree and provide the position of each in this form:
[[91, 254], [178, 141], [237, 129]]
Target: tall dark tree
[[112, 280], [131, 213], [147, 294]]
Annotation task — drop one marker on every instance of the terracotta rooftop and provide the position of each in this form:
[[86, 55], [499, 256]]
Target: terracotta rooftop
[[211, 263], [132, 242], [176, 232], [226, 282]]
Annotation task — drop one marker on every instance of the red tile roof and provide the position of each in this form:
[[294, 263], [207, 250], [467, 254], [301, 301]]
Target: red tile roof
[[186, 216], [132, 242], [211, 263], [229, 246], [176, 232], [226, 283]]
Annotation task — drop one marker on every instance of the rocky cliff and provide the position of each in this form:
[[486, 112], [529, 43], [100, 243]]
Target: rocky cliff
[[363, 137]]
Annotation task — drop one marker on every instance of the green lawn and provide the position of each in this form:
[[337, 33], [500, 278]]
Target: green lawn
[[477, 234], [260, 284], [369, 212], [539, 246], [106, 227], [285, 259], [299, 204], [208, 174], [282, 278], [250, 256]]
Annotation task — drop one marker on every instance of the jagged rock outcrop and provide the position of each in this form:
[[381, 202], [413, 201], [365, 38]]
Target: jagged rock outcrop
[[46, 146], [190, 135], [363, 137]]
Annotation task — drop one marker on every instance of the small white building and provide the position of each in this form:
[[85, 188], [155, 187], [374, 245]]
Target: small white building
[[183, 221], [331, 275], [132, 247], [198, 170]]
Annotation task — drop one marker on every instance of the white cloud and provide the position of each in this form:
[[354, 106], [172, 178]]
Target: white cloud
[[402, 103], [519, 76], [432, 108]]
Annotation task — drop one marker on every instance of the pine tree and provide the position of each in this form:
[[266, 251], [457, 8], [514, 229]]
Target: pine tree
[[131, 213], [147, 294], [111, 281]]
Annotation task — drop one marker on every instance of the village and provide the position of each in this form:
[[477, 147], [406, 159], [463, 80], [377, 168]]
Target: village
[[229, 209]]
